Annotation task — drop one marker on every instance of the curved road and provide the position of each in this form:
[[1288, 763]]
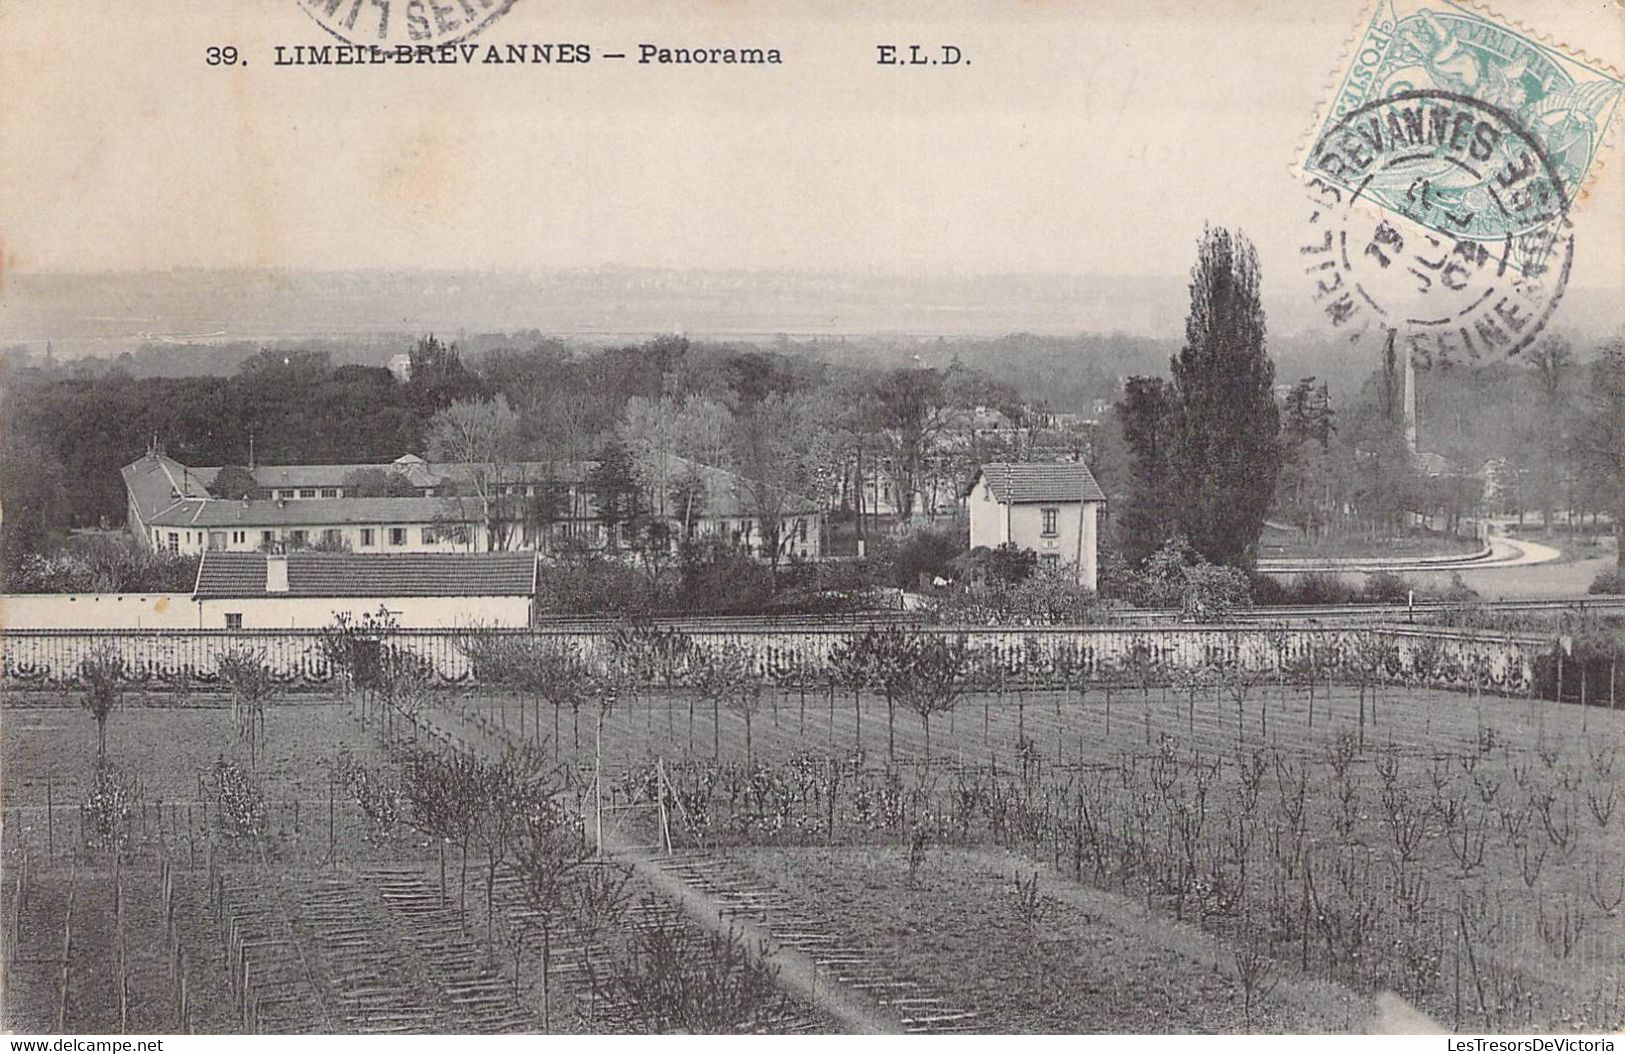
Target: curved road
[[1513, 569], [1502, 552]]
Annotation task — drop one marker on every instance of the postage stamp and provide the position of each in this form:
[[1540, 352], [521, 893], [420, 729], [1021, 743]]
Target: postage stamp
[[389, 23], [1441, 181], [1444, 112]]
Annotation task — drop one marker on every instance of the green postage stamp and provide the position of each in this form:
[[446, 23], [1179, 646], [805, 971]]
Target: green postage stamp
[[1463, 123]]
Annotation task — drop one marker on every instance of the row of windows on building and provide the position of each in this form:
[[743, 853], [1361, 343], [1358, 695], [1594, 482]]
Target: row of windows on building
[[369, 537], [300, 492], [395, 537], [292, 493]]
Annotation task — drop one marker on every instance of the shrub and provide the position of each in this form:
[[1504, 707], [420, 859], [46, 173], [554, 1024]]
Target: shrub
[[103, 565], [1212, 593], [923, 552], [1270, 590], [1117, 579], [1321, 587], [1050, 596], [1007, 563], [677, 979], [1177, 576], [720, 577], [594, 586], [1609, 582], [1163, 576], [1385, 587], [1458, 591], [107, 808]]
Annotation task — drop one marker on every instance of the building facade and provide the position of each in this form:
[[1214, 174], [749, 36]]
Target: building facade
[[439, 509], [1050, 508]]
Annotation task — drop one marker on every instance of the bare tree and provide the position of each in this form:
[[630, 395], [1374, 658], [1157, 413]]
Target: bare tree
[[503, 793], [783, 458], [938, 676], [745, 699], [481, 437], [104, 676], [723, 682], [249, 679], [549, 850]]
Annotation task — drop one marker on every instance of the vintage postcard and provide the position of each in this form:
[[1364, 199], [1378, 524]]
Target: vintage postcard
[[546, 517]]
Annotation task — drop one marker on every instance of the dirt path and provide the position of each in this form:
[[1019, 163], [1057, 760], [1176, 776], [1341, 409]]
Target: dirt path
[[797, 972]]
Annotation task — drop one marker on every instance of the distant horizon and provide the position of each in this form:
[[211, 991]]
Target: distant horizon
[[94, 312]]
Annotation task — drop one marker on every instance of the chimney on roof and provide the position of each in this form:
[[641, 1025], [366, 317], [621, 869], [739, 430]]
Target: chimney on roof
[[276, 572]]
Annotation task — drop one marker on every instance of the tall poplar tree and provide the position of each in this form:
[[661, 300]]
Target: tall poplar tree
[[1150, 513], [1229, 452]]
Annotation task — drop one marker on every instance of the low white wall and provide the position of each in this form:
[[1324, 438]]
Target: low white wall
[[114, 611], [409, 612], [98, 611]]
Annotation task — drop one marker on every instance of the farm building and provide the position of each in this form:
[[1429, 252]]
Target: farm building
[[307, 589], [441, 508], [1050, 508]]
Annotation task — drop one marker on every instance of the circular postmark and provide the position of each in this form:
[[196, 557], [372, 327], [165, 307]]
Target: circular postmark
[[393, 23], [1439, 222]]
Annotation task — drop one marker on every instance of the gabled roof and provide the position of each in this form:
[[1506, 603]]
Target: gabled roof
[[156, 482], [225, 575], [1015, 483]]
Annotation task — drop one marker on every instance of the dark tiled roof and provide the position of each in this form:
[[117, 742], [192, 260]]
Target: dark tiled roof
[[231, 575], [365, 575], [1033, 481]]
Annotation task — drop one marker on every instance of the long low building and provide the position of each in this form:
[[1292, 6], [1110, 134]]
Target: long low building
[[309, 589], [170, 506]]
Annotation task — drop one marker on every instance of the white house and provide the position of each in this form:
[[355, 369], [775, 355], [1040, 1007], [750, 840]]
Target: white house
[[306, 589], [1051, 508]]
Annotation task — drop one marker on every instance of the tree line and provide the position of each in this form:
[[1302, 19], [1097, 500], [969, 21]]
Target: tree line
[[1206, 454], [786, 426]]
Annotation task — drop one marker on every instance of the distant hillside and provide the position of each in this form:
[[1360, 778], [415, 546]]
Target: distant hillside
[[89, 312], [1027, 329]]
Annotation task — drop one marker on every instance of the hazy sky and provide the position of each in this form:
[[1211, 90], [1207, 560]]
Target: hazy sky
[[1084, 138]]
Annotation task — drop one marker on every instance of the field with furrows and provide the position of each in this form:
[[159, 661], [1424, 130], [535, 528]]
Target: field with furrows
[[1464, 851], [195, 881], [1264, 855]]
